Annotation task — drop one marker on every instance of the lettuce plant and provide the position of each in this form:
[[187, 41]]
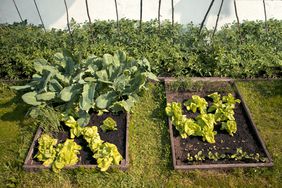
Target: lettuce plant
[[207, 122], [67, 155], [174, 111], [109, 124], [224, 111], [221, 110], [196, 103], [91, 135], [230, 126], [46, 149], [75, 128], [106, 155]]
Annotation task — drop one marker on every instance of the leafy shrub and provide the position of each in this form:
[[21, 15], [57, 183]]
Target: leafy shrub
[[172, 51], [99, 83]]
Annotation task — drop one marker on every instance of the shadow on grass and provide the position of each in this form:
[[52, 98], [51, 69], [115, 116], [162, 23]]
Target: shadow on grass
[[266, 88], [18, 113]]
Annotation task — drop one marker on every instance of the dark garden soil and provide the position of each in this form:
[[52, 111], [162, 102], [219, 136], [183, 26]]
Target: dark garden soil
[[117, 137], [244, 138]]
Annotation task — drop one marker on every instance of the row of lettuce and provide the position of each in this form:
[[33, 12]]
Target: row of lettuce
[[251, 53]]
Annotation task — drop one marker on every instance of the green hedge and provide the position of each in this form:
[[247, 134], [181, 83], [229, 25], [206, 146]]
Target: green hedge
[[173, 51]]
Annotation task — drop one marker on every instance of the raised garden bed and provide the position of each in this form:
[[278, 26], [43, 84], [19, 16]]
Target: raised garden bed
[[246, 138], [118, 137]]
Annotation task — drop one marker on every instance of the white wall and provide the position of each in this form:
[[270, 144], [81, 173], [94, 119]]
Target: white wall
[[186, 11]]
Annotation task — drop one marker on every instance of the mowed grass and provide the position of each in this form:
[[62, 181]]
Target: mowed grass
[[150, 155]]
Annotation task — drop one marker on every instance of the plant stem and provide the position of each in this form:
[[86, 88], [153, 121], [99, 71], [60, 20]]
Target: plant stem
[[202, 24], [39, 15]]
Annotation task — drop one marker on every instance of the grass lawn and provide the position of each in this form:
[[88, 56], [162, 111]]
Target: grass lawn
[[150, 156]]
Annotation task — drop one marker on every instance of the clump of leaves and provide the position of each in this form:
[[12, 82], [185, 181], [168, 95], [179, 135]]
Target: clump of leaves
[[111, 82], [215, 156], [199, 156], [187, 126], [196, 103], [75, 128], [46, 149], [204, 123], [224, 111], [47, 118], [230, 126], [91, 135], [67, 155], [207, 122], [109, 124], [181, 84], [106, 155]]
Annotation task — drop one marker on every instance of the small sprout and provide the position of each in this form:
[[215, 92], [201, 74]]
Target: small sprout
[[199, 156], [189, 157], [222, 156], [213, 156]]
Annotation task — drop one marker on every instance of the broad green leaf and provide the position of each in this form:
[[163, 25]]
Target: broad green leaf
[[68, 93], [105, 100], [39, 65], [44, 81], [102, 75], [30, 98], [120, 56], [87, 99], [83, 118], [55, 86], [107, 60], [46, 96], [20, 87]]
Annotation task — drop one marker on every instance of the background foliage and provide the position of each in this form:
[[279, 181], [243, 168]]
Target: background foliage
[[172, 51]]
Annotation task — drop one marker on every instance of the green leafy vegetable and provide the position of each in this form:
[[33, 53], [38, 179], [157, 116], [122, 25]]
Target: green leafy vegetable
[[196, 103], [46, 149], [111, 82], [106, 155], [75, 128], [109, 124], [230, 126], [67, 155], [199, 156], [91, 135], [203, 125]]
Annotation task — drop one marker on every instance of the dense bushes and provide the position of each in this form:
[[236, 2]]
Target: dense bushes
[[172, 51]]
